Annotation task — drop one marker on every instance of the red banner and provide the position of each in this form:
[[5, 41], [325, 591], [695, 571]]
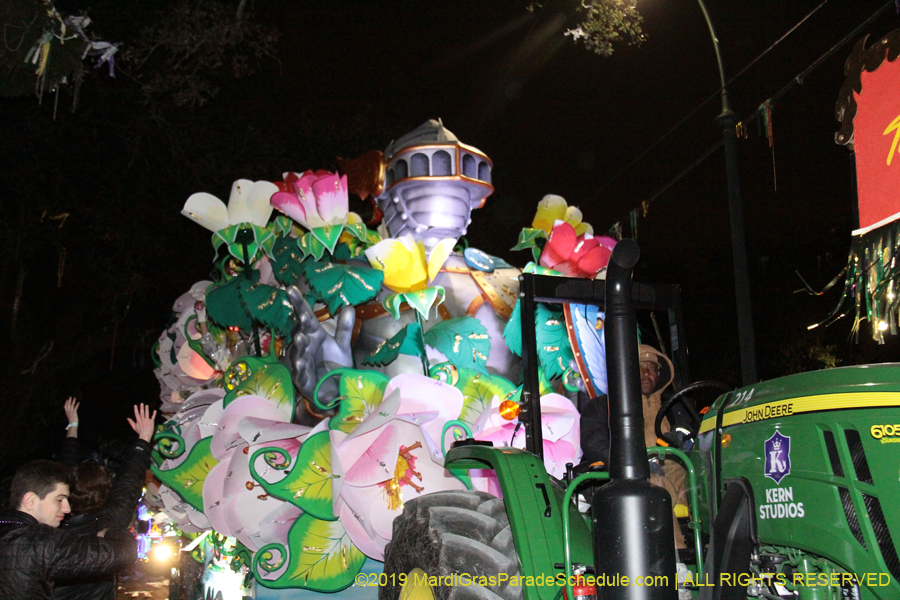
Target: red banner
[[876, 133]]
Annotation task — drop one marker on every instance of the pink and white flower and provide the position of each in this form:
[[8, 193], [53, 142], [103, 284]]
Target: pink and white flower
[[314, 199], [393, 455], [559, 426]]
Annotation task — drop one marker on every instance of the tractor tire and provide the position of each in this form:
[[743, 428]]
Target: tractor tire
[[446, 533]]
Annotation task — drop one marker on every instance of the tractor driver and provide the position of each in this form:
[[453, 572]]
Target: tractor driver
[[657, 374]]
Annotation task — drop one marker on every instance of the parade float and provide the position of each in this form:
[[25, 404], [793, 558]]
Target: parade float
[[315, 385], [869, 113]]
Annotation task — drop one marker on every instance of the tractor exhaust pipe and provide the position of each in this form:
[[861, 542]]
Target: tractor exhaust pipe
[[634, 541]]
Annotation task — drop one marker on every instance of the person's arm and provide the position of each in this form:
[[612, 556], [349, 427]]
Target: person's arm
[[69, 451], [128, 485], [78, 557], [595, 431]]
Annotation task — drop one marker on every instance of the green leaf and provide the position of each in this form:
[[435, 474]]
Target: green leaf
[[310, 246], [280, 225], [554, 350], [360, 394], [463, 340], [187, 478], [340, 284], [533, 239], [358, 230], [255, 237], [287, 263], [512, 332], [407, 341], [356, 241], [478, 389], [322, 558], [308, 484], [223, 304], [421, 300], [266, 378], [328, 236], [539, 270], [268, 305]]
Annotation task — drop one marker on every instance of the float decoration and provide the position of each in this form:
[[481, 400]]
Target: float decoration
[[407, 271], [263, 377], [247, 203], [341, 284], [409, 341], [46, 50], [554, 352], [478, 390], [187, 478], [319, 202], [463, 340], [361, 393], [318, 556], [870, 127], [308, 483], [311, 502], [287, 260], [244, 241]]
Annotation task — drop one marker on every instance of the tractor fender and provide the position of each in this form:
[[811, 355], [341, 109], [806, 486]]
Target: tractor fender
[[731, 542]]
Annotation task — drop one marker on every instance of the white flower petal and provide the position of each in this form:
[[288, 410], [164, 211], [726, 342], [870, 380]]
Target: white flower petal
[[207, 210]]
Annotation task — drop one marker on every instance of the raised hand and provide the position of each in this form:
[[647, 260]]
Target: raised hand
[[143, 423], [314, 352], [71, 408]]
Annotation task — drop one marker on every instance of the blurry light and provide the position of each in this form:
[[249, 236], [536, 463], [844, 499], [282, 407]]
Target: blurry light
[[726, 440], [163, 553], [509, 410], [812, 326], [882, 326]]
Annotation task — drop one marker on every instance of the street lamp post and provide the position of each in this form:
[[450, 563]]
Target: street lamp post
[[727, 121]]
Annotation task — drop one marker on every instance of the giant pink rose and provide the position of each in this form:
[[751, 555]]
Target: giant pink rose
[[314, 199]]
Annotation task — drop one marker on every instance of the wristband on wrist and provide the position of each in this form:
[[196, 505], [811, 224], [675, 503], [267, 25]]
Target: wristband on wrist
[[70, 425]]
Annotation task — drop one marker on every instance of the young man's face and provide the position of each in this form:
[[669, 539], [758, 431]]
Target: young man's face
[[649, 377], [52, 508]]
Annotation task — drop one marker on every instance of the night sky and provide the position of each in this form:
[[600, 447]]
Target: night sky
[[349, 76]]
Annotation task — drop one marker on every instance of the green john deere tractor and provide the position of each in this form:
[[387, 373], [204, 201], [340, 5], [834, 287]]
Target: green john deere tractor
[[794, 485]]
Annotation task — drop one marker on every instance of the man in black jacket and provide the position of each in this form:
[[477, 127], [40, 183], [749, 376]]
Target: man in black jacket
[[34, 552]]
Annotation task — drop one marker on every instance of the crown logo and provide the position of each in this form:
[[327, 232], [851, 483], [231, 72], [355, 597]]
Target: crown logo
[[776, 443]]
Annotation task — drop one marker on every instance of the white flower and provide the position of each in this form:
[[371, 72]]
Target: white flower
[[248, 203]]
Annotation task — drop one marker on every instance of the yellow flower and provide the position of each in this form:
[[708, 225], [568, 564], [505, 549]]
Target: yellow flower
[[404, 264], [554, 208]]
